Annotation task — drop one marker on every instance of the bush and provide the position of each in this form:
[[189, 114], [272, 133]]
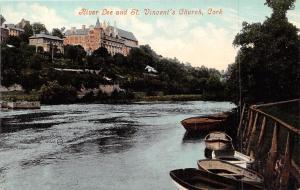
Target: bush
[[54, 93]]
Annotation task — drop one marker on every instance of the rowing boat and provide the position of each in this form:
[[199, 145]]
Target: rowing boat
[[218, 141]]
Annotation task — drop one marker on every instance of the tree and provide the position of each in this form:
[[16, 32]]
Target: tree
[[28, 31], [38, 28], [268, 59], [57, 32], [54, 93], [14, 40], [75, 53], [101, 52]]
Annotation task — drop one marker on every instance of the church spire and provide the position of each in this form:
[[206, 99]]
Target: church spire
[[97, 23]]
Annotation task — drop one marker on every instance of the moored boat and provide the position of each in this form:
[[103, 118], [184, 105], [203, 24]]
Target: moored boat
[[218, 141], [194, 179], [204, 123], [247, 178], [233, 157]]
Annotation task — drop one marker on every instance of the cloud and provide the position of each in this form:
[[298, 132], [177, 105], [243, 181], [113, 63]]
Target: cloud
[[294, 17], [207, 45], [35, 13], [190, 39]]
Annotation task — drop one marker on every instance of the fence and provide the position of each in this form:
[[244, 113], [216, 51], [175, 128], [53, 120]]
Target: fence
[[273, 142]]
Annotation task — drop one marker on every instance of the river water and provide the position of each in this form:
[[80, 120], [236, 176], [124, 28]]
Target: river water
[[98, 146]]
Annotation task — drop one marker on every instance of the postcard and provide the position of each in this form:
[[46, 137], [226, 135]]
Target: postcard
[[149, 94]]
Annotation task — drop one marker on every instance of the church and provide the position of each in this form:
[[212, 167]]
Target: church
[[114, 39]]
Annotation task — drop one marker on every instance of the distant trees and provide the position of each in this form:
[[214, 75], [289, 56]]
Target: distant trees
[[57, 32], [268, 59], [38, 28]]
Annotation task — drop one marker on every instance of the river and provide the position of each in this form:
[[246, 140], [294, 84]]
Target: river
[[99, 146]]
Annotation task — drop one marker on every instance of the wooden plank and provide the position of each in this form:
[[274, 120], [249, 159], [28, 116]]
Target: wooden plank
[[241, 120], [252, 133], [249, 124], [295, 171], [276, 103], [272, 156], [285, 173], [262, 131]]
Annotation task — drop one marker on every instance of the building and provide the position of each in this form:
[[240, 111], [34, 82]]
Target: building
[[46, 42], [3, 33], [23, 23], [14, 30], [115, 40]]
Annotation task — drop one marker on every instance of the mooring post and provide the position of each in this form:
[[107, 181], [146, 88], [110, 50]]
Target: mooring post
[[262, 131], [285, 173], [251, 135], [241, 120], [272, 155]]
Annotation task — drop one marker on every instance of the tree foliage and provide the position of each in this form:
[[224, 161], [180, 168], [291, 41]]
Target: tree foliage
[[268, 59], [57, 32], [28, 31], [38, 28], [75, 53]]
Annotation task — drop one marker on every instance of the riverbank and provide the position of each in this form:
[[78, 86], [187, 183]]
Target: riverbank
[[12, 96], [35, 96]]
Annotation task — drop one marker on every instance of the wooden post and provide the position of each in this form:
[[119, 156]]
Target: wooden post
[[254, 124], [272, 155], [249, 124], [252, 134], [262, 131], [241, 120], [285, 173]]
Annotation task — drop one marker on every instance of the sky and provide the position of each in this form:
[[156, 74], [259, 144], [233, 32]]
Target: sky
[[203, 39]]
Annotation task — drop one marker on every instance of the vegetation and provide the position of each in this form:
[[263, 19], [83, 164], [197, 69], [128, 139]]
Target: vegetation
[[35, 71], [268, 59]]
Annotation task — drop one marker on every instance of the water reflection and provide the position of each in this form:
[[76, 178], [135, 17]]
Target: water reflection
[[192, 137]]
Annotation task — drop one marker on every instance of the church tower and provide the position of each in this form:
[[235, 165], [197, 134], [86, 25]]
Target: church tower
[[97, 23]]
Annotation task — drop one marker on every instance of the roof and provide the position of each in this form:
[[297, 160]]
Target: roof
[[14, 27], [97, 23], [45, 36], [77, 32], [126, 34], [123, 33]]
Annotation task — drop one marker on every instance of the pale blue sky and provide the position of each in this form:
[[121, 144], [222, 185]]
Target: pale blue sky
[[199, 40]]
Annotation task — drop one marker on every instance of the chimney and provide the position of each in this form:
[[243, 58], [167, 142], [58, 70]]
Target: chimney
[[83, 26]]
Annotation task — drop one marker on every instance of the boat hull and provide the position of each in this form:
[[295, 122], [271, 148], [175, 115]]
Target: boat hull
[[218, 141], [205, 123], [233, 157], [218, 145], [247, 178], [201, 126], [194, 179]]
